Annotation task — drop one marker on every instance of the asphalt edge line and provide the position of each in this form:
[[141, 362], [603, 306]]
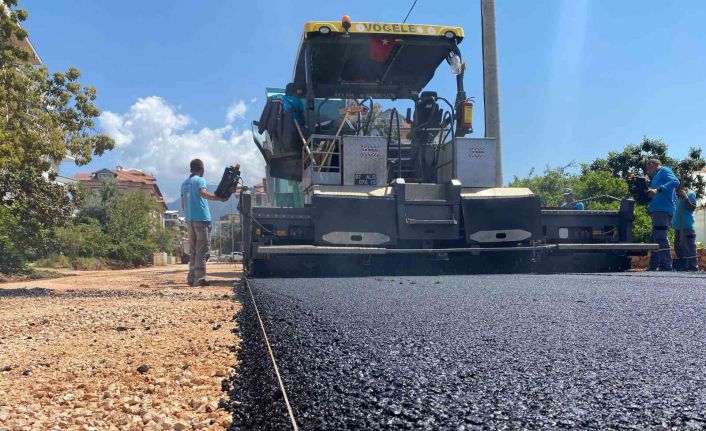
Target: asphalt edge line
[[290, 412]]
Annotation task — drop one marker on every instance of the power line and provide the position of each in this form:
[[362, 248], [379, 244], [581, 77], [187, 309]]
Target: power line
[[410, 11]]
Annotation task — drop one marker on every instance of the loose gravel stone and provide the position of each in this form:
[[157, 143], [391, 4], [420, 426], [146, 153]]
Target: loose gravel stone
[[476, 352], [88, 375]]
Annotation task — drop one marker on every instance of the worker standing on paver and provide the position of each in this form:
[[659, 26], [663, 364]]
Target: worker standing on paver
[[662, 206], [198, 221], [571, 203], [684, 234]]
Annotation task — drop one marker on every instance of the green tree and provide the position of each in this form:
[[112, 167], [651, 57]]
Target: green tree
[[132, 222], [633, 159], [43, 117], [586, 184], [600, 183], [83, 240], [549, 186], [12, 258], [607, 177], [93, 204], [229, 238], [166, 240]]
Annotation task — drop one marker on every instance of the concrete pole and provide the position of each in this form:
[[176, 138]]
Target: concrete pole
[[232, 237], [491, 97]]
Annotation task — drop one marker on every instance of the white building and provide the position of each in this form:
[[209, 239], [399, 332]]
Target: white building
[[55, 170], [172, 219]]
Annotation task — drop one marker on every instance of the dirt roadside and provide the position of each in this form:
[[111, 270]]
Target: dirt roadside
[[119, 350]]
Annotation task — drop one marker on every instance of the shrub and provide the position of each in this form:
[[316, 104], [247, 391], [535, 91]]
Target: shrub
[[89, 264], [54, 261], [131, 224], [12, 259], [83, 240]]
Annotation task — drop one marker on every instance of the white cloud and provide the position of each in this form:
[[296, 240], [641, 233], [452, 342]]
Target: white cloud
[[154, 137], [237, 109]]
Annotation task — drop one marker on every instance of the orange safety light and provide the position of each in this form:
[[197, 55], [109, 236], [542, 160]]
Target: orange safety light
[[466, 115], [346, 22]]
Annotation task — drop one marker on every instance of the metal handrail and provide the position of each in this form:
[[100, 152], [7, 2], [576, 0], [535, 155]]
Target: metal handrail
[[393, 113]]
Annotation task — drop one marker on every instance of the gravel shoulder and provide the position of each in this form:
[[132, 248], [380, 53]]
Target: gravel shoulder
[[123, 350]]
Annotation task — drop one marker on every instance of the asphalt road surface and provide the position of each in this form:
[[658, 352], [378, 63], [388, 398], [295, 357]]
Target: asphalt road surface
[[477, 352]]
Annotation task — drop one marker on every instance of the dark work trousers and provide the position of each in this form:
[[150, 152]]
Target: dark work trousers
[[685, 249], [661, 259]]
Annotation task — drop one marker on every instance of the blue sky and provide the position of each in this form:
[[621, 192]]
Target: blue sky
[[578, 78]]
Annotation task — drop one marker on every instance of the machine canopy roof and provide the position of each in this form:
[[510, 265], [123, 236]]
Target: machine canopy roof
[[381, 61]]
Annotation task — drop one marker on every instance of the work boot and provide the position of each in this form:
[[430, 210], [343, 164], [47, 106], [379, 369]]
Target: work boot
[[203, 283]]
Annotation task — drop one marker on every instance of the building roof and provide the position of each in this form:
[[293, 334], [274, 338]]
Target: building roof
[[126, 176], [260, 187]]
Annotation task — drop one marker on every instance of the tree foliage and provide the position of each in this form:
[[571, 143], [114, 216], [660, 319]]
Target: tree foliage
[[132, 223], [551, 184], [12, 258], [633, 159], [93, 204], [122, 228], [83, 240], [380, 123], [43, 117], [228, 239], [166, 240], [607, 177]]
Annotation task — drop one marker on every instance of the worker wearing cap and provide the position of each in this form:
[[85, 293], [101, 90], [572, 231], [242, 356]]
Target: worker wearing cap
[[662, 206], [571, 203], [684, 234], [198, 221]]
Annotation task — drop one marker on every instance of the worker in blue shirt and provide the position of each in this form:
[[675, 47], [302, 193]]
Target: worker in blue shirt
[[662, 192], [198, 221], [571, 203], [291, 101], [684, 234]]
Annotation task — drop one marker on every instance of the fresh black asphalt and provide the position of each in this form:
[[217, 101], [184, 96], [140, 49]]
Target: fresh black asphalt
[[476, 352]]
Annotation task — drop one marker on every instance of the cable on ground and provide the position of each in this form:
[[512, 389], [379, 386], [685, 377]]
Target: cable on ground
[[290, 412]]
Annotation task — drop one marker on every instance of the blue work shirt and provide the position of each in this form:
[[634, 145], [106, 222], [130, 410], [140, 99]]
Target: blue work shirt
[[666, 182], [291, 102], [688, 213], [195, 206], [574, 206]]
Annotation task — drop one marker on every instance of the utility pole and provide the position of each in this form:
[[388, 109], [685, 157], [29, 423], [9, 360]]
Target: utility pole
[[491, 97], [231, 222]]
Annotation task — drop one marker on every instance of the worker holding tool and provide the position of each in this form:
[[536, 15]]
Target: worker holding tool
[[662, 206], [198, 221], [571, 203], [684, 234]]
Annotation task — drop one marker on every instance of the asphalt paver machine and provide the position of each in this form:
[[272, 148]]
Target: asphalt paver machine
[[389, 192]]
